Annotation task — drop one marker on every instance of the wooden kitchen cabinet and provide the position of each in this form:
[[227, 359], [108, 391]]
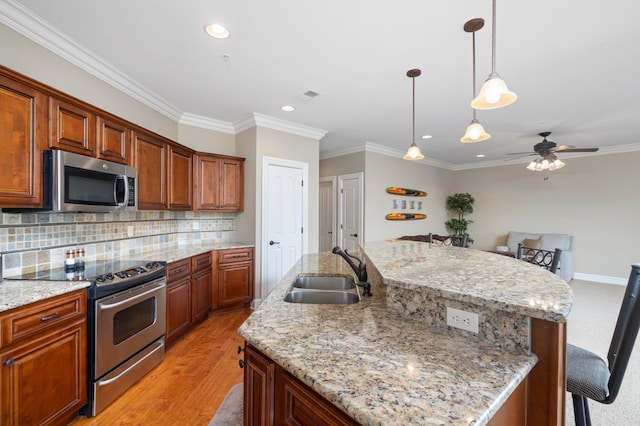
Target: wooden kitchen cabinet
[[113, 140], [72, 127], [150, 158], [43, 361], [272, 396], [201, 287], [218, 182], [235, 277], [178, 300], [179, 178], [23, 127]]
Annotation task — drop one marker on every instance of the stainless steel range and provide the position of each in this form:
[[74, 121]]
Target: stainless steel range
[[126, 323]]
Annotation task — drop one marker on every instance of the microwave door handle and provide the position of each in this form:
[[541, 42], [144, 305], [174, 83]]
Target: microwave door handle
[[122, 178]]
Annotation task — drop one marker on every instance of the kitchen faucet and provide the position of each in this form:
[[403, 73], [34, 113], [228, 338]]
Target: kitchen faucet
[[360, 270]]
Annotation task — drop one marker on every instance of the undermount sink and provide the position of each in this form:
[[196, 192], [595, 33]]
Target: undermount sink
[[325, 283], [322, 297]]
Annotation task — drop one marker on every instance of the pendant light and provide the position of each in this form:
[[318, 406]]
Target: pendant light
[[475, 132], [413, 153], [494, 92]]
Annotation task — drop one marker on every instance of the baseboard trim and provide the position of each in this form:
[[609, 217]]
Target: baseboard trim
[[601, 279]]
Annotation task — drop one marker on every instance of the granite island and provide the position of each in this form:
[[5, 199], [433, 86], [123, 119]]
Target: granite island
[[389, 359]]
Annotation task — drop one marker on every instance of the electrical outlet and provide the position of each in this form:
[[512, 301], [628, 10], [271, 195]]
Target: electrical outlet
[[462, 319]]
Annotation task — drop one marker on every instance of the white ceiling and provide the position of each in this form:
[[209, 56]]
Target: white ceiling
[[574, 64]]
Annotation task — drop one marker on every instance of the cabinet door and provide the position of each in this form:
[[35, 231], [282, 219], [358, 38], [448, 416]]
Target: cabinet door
[[201, 295], [45, 381], [151, 161], [23, 126], [179, 180], [178, 309], [206, 181], [258, 388], [231, 196], [113, 141], [72, 128], [236, 283]]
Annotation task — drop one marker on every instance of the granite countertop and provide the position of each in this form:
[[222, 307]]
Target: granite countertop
[[382, 368], [16, 293], [483, 278]]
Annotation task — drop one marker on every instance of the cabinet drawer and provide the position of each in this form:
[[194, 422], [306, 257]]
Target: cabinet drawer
[[235, 255], [200, 262], [179, 269], [27, 321]]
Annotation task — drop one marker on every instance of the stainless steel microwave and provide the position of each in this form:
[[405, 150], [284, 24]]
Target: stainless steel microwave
[[77, 183]]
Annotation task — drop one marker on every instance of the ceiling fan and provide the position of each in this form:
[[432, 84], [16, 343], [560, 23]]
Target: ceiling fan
[[547, 151]]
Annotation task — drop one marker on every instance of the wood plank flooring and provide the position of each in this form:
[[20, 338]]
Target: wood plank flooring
[[189, 385]]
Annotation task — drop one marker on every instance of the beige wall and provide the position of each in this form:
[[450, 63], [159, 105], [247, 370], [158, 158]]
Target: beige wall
[[384, 171], [26, 57], [206, 140], [345, 164], [592, 198]]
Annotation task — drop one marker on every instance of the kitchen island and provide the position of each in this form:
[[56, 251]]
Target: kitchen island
[[389, 359]]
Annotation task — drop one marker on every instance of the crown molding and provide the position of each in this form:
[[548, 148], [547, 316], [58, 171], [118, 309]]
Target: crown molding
[[260, 120], [31, 26], [207, 123], [382, 150]]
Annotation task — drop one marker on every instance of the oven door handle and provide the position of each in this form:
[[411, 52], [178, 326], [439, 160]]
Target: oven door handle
[[130, 299], [113, 379]]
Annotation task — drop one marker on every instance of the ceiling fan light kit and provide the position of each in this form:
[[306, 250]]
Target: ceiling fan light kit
[[413, 153], [546, 150], [475, 131], [494, 92]]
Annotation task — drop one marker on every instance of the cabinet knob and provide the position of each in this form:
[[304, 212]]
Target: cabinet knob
[[9, 362], [90, 149], [240, 349], [242, 363]]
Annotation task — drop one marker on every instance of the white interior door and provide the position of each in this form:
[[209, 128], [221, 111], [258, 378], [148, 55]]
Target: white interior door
[[350, 204], [327, 214], [284, 198]]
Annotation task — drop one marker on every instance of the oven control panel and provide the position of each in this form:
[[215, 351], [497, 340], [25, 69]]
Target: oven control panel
[[127, 273]]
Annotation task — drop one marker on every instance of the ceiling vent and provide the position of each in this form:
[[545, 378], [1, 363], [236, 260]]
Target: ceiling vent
[[307, 96]]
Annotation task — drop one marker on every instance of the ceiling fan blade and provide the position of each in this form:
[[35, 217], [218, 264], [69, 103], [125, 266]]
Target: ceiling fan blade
[[521, 153], [580, 150], [561, 148]]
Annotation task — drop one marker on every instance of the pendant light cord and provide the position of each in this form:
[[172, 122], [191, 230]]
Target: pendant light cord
[[493, 38], [414, 111], [473, 95]]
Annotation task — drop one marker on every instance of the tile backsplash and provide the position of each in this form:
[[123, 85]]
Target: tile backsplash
[[32, 242]]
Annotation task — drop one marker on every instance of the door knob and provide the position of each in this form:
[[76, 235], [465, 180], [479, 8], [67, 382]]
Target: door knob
[[354, 235], [273, 242]]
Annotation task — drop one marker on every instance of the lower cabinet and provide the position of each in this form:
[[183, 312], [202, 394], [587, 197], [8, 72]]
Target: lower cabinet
[[43, 361], [189, 283], [235, 279], [272, 396]]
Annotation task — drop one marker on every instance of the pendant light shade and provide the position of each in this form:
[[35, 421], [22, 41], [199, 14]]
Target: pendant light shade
[[494, 92], [475, 131], [413, 153]]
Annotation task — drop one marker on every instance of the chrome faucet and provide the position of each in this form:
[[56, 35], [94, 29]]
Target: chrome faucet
[[360, 270]]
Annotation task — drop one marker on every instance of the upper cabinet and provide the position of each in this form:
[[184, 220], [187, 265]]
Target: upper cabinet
[[218, 182], [179, 178], [150, 158], [23, 126], [76, 128]]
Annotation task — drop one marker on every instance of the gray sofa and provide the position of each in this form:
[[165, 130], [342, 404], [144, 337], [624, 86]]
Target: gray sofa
[[549, 242]]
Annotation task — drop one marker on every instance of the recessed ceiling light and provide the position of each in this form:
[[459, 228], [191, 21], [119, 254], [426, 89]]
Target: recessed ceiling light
[[480, 156], [217, 31], [287, 108], [427, 137]]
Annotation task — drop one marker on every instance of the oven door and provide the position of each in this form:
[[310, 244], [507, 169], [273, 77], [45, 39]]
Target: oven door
[[127, 322]]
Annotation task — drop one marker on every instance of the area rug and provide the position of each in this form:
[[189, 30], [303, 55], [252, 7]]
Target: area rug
[[230, 412]]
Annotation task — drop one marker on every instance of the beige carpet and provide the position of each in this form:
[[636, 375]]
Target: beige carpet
[[590, 325], [230, 411]]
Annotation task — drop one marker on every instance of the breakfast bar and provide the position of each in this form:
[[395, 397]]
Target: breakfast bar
[[391, 359]]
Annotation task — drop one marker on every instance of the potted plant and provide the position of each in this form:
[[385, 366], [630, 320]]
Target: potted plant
[[461, 204]]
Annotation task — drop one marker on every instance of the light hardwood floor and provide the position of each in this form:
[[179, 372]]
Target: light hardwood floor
[[189, 385]]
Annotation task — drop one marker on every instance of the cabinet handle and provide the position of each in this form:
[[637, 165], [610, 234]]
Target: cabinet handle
[[177, 271], [9, 362], [52, 316], [240, 349], [242, 363]]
